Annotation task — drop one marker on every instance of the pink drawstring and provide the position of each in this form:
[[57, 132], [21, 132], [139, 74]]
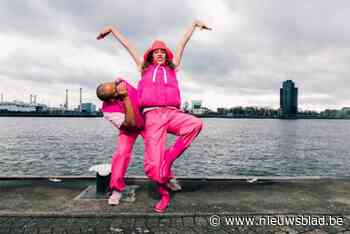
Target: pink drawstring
[[155, 74]]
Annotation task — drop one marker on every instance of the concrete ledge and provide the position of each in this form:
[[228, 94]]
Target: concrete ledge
[[185, 178], [40, 205], [150, 215]]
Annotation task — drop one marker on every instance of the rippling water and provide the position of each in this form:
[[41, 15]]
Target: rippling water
[[225, 147]]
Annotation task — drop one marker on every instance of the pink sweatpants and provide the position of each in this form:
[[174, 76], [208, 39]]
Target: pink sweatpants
[[121, 159], [158, 123]]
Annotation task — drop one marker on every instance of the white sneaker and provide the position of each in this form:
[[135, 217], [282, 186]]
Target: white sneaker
[[173, 185], [252, 180], [114, 199]]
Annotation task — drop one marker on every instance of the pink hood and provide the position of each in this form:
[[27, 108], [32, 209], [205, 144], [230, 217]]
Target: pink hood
[[158, 45]]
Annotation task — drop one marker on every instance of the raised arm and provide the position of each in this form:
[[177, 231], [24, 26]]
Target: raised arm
[[127, 45], [185, 38]]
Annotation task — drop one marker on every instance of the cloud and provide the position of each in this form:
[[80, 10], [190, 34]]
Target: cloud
[[254, 47]]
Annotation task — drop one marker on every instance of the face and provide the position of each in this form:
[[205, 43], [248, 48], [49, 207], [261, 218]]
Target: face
[[111, 89], [159, 56]]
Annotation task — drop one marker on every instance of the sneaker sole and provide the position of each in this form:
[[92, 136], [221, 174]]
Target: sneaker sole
[[159, 210]]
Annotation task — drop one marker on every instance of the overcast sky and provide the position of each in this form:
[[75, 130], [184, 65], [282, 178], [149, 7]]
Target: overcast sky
[[49, 46]]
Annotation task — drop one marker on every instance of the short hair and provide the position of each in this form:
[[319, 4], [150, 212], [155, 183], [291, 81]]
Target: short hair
[[102, 93]]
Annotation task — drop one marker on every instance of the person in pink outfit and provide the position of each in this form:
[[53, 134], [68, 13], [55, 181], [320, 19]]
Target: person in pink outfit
[[159, 98], [120, 107]]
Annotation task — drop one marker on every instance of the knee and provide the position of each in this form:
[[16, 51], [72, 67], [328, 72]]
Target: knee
[[193, 127], [198, 124]]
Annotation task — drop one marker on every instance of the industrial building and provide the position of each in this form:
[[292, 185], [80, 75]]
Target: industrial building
[[17, 106]]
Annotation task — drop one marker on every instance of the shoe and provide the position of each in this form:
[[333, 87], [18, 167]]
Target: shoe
[[114, 199], [162, 205], [173, 185]]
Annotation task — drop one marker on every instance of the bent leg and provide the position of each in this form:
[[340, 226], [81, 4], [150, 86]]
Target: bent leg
[[186, 127]]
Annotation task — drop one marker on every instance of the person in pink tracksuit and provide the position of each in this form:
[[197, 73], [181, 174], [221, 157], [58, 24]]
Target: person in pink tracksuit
[[120, 107], [159, 97]]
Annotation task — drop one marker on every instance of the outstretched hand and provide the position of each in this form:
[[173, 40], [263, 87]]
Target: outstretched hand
[[201, 25], [104, 33]]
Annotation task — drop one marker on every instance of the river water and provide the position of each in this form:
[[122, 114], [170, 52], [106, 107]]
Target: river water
[[225, 147]]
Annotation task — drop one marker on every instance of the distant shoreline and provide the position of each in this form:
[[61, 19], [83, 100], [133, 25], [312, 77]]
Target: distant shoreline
[[99, 115], [255, 117], [49, 115]]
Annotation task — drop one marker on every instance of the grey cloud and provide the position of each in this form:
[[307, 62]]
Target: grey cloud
[[49, 70], [139, 22], [270, 44]]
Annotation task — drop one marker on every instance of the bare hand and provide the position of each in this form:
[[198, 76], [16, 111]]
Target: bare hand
[[122, 90], [104, 33], [201, 25]]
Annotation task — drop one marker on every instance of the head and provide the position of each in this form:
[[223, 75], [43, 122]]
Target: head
[[107, 91], [159, 56], [158, 53]]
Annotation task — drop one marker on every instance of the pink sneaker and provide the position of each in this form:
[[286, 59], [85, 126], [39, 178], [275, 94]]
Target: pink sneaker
[[163, 204], [114, 199]]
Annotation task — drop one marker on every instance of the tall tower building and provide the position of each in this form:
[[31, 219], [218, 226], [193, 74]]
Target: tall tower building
[[289, 99], [80, 99], [66, 103]]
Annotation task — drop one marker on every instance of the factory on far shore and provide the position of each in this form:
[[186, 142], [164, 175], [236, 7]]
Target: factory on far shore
[[34, 106]]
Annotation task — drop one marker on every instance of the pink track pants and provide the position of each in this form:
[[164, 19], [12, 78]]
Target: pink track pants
[[158, 123], [121, 159]]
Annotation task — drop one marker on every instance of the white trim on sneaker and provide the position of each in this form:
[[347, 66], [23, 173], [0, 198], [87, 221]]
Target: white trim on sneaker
[[173, 185], [114, 199]]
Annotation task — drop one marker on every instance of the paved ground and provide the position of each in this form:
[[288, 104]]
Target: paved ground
[[71, 206]]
